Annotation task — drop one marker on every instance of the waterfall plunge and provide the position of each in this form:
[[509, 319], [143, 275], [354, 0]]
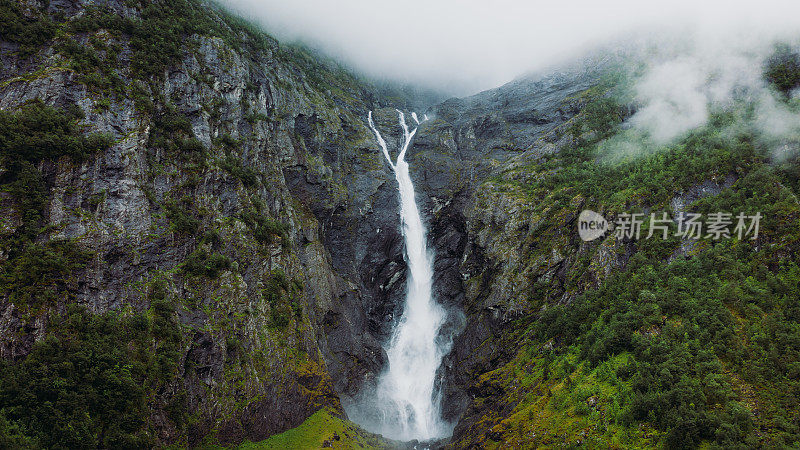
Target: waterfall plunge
[[406, 405]]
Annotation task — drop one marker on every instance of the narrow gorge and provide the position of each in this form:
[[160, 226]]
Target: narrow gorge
[[405, 404]]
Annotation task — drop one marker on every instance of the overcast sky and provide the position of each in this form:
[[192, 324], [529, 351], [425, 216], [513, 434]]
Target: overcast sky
[[464, 46]]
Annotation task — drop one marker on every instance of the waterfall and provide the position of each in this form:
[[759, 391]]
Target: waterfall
[[406, 405]]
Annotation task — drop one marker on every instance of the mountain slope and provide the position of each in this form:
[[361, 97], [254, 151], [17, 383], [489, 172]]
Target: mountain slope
[[625, 342], [148, 157]]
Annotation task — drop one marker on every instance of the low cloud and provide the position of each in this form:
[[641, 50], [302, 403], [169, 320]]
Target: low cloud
[[463, 46], [674, 97], [681, 81], [694, 57], [685, 80]]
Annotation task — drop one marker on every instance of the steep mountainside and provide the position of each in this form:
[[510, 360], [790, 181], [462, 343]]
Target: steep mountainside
[[199, 244], [179, 194], [634, 342]]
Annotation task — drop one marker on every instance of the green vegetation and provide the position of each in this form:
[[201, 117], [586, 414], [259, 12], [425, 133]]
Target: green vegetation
[[96, 381], [253, 117], [141, 98], [233, 166], [265, 229], [681, 352], [204, 263], [30, 33], [34, 271], [281, 295], [701, 350], [783, 69], [35, 274], [625, 167], [97, 72], [166, 332], [684, 324], [181, 218], [324, 429], [87, 383], [158, 38], [37, 132], [172, 132]]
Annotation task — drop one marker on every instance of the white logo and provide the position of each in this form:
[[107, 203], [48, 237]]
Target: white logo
[[591, 225]]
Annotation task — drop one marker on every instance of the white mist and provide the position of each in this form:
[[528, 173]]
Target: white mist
[[406, 405]]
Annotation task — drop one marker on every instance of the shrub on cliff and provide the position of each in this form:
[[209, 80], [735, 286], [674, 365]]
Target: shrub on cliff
[[34, 272], [82, 386]]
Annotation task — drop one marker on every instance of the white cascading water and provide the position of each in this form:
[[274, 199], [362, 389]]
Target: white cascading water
[[406, 405]]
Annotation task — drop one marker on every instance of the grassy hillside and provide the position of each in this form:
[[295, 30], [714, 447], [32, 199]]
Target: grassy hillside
[[322, 430]]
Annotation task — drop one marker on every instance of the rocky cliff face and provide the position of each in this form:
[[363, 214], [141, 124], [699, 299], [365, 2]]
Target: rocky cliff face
[[240, 187], [468, 141]]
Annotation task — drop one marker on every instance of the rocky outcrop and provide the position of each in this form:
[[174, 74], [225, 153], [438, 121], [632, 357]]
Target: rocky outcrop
[[477, 229]]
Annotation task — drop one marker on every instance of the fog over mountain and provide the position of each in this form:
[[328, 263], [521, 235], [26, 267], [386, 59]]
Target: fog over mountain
[[467, 46]]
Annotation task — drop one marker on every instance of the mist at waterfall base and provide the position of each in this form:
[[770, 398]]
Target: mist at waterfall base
[[405, 404]]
